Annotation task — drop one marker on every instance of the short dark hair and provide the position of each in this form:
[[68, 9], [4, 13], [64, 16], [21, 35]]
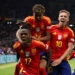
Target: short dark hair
[[38, 8]]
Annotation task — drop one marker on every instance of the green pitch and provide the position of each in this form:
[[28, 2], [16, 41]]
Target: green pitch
[[8, 69], [72, 64]]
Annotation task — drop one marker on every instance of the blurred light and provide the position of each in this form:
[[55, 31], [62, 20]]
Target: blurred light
[[71, 25], [9, 22]]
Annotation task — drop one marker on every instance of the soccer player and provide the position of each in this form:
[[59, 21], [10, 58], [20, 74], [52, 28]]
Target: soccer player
[[62, 39], [38, 26], [29, 52]]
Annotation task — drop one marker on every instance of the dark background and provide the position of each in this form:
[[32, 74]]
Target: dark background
[[23, 8]]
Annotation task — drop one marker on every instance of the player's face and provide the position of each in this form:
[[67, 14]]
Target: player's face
[[63, 18], [25, 35], [37, 16]]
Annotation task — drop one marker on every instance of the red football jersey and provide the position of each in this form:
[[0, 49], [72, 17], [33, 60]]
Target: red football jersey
[[59, 40], [38, 29], [72, 55], [30, 56]]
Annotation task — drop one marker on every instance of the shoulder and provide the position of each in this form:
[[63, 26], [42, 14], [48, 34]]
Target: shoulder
[[46, 19], [70, 30], [28, 18], [53, 27], [16, 45], [38, 43]]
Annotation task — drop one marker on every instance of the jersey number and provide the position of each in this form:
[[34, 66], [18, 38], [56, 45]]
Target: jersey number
[[28, 60], [59, 43]]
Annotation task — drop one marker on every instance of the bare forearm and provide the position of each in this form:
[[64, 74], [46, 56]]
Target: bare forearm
[[46, 38], [17, 35], [67, 52]]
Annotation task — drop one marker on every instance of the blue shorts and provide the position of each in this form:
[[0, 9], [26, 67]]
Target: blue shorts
[[62, 69], [21, 74], [44, 55]]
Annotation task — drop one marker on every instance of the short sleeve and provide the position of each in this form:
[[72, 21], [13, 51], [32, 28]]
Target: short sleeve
[[44, 47], [16, 46], [71, 37]]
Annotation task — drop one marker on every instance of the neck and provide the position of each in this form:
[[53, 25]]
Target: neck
[[27, 44], [62, 25]]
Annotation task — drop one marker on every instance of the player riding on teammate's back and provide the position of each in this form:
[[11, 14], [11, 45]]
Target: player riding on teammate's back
[[38, 27], [29, 52]]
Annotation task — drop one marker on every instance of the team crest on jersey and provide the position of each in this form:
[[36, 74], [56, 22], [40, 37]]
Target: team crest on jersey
[[59, 37], [33, 51], [27, 54], [42, 26], [65, 35], [37, 29]]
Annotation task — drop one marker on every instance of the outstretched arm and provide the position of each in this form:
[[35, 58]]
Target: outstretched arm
[[18, 35]]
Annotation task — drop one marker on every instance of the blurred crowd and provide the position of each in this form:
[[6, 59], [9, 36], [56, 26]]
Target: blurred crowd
[[7, 38]]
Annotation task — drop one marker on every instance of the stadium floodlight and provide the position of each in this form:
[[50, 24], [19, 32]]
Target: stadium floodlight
[[71, 25], [9, 22]]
